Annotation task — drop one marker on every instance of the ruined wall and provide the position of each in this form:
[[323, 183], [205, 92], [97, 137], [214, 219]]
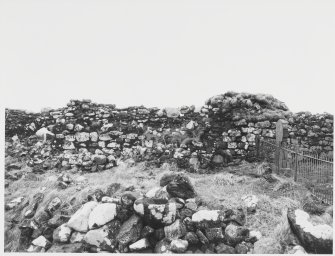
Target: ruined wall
[[93, 136]]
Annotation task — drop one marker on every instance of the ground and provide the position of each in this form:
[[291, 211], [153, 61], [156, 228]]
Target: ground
[[223, 188]]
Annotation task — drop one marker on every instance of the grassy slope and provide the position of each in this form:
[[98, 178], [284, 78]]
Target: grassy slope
[[219, 190]]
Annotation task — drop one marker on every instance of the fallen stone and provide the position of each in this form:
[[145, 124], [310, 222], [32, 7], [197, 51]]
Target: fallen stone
[[62, 234], [156, 212], [175, 230], [298, 249], [191, 238], [179, 245], [130, 230], [250, 202], [139, 245], [224, 249], [163, 246], [77, 237], [315, 238], [181, 187], [79, 221], [101, 214], [235, 234], [66, 248], [41, 241]]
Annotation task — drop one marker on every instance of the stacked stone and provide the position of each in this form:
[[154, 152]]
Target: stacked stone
[[93, 136], [313, 132], [166, 219], [236, 120]]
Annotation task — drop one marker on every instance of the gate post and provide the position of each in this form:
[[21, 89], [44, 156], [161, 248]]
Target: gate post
[[257, 147], [281, 133], [296, 163]]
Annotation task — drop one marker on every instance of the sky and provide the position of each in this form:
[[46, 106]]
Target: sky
[[166, 53]]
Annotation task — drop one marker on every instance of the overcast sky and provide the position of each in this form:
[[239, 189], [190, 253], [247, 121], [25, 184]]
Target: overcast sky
[[166, 53]]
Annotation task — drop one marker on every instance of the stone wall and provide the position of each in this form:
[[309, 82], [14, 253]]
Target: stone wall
[[93, 136]]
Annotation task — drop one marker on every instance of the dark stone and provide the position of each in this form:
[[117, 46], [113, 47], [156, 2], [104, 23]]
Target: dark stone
[[224, 249], [181, 187], [159, 233], [235, 234], [167, 178], [241, 248], [146, 231], [31, 209], [124, 213], [202, 238], [236, 216], [67, 248], [191, 238], [214, 234], [113, 228], [98, 194], [58, 220], [112, 189], [130, 230]]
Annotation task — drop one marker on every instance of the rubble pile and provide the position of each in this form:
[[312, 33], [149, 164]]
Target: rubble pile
[[166, 219]]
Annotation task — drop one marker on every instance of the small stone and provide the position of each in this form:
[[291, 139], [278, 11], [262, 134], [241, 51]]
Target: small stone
[[163, 246], [62, 234], [139, 245], [53, 205], [214, 234], [241, 248], [202, 238], [235, 234], [179, 245], [224, 249], [298, 249], [251, 202], [191, 238], [175, 230], [77, 237], [41, 241]]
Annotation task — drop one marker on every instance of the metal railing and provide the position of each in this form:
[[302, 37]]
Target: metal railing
[[313, 170]]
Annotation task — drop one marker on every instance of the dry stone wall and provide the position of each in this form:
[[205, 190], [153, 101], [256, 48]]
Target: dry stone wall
[[94, 136]]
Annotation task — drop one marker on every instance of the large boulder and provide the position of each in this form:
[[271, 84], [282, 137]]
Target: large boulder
[[101, 214], [156, 212], [315, 238], [79, 220]]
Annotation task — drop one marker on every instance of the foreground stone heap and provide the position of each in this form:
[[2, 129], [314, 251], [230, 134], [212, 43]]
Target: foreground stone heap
[[166, 219], [94, 136]]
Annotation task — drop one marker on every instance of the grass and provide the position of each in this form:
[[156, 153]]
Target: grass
[[219, 190]]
